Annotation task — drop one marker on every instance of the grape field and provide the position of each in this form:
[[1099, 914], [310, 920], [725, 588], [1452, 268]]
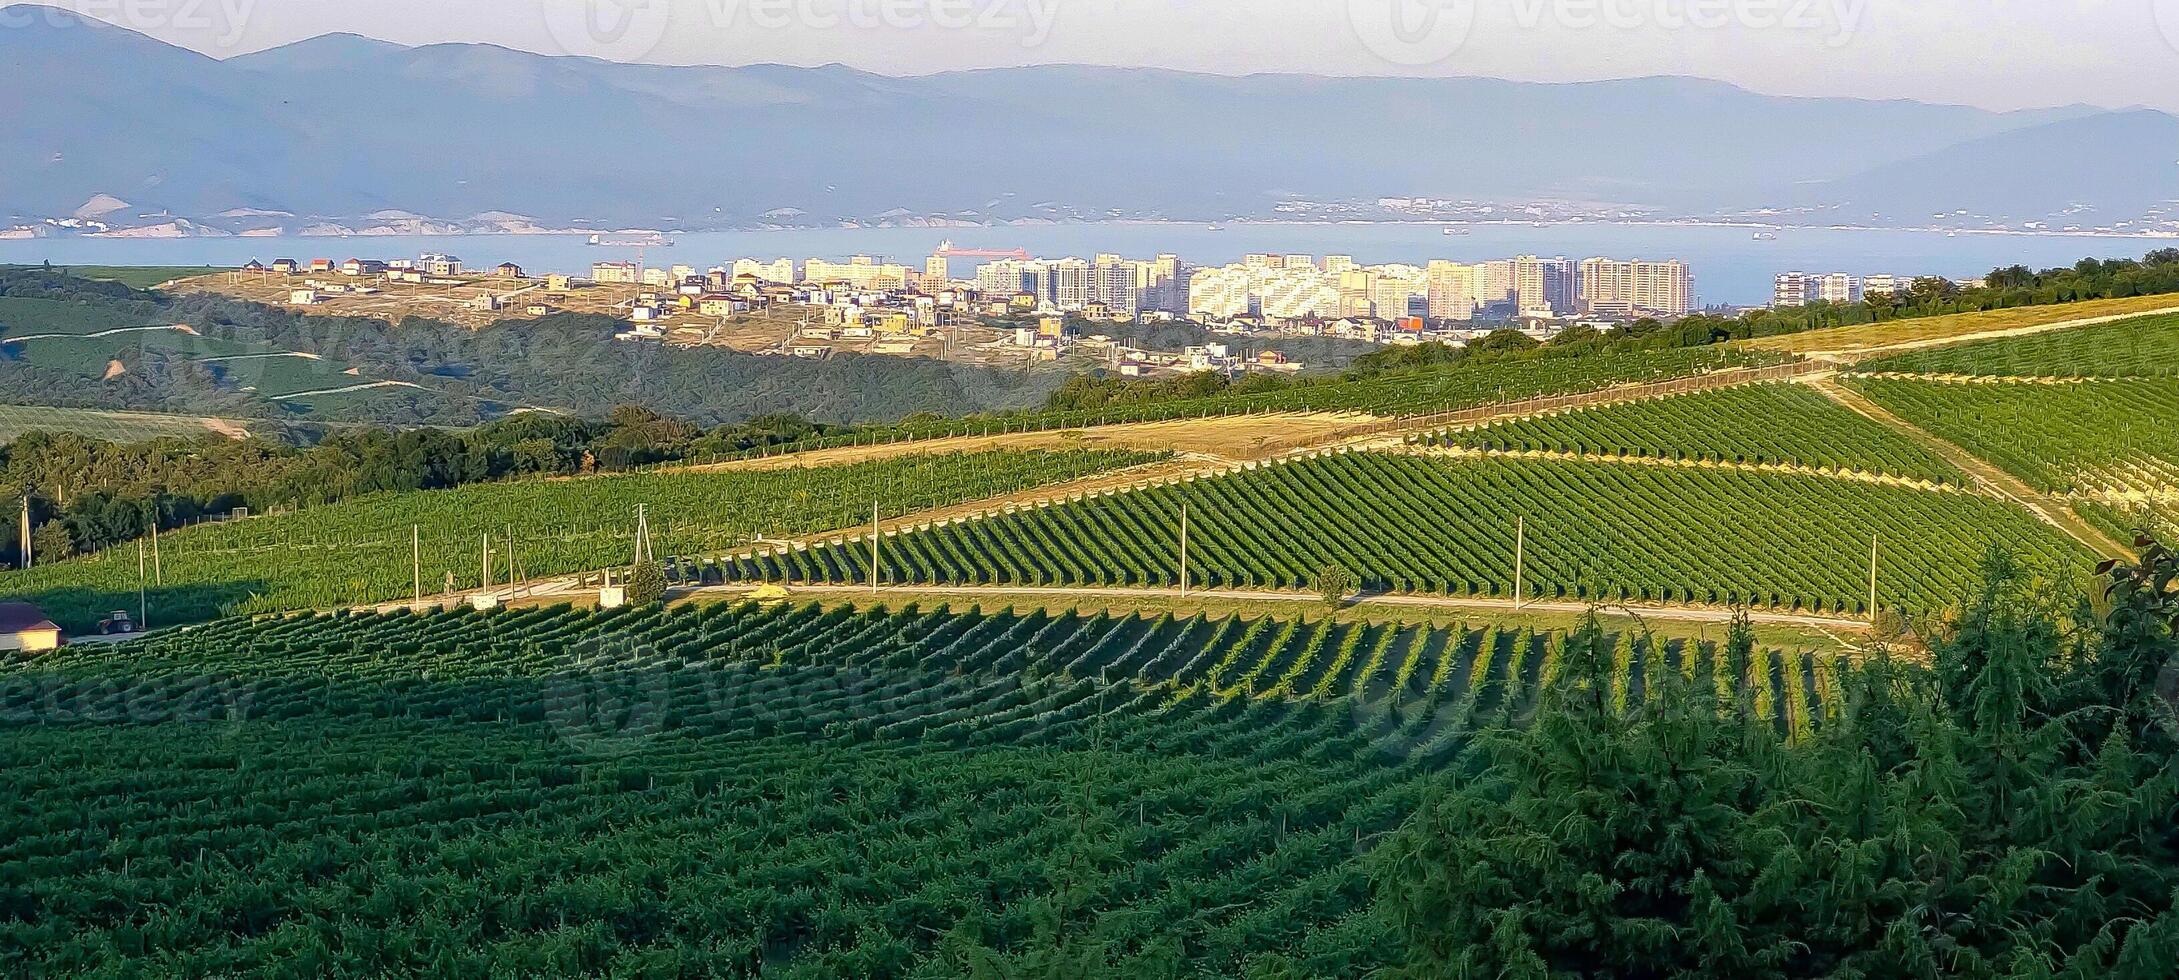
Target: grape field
[[742, 791], [360, 550], [2088, 437], [2141, 347], [1412, 524], [1774, 423]]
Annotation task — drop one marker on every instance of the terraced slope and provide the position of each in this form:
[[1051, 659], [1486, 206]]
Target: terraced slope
[[1761, 424], [2103, 438], [740, 791], [1406, 523], [2135, 348], [361, 550]]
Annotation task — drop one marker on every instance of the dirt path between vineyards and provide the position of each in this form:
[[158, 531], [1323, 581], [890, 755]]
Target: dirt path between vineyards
[[1989, 478], [1788, 469]]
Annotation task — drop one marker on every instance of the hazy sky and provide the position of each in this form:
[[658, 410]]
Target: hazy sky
[[1992, 53]]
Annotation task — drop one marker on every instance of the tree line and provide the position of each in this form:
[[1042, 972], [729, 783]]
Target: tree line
[[86, 494]]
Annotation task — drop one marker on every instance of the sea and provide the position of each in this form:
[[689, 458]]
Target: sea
[[1732, 265]]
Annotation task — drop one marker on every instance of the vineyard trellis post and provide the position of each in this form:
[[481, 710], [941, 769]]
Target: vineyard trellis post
[[1183, 549], [1520, 549], [416, 561], [25, 540], [873, 547], [1872, 578], [158, 573], [143, 608]]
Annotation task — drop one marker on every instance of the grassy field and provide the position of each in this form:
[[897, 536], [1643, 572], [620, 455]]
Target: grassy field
[[112, 426], [22, 315], [1870, 336], [139, 276]]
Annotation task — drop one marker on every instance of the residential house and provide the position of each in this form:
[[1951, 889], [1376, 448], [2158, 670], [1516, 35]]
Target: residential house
[[24, 628]]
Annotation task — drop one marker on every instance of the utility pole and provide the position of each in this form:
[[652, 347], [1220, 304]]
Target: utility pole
[[873, 547], [485, 583], [643, 535], [26, 528], [1184, 549], [416, 562], [158, 575], [143, 608], [1520, 556]]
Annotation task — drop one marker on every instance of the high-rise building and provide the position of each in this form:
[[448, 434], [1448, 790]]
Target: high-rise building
[[1635, 286], [1789, 289], [780, 270], [1068, 284], [1300, 261], [861, 272], [937, 269], [1494, 283], [1838, 287], [1002, 279], [1543, 285], [1336, 264], [1451, 290]]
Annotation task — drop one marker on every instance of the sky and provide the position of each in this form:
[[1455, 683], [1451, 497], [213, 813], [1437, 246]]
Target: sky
[[1996, 54]]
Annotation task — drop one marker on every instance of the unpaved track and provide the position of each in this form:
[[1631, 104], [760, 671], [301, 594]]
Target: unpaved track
[[1685, 614], [1853, 476], [1992, 480]]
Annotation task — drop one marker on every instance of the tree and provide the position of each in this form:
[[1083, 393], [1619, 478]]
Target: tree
[[2001, 813], [1333, 582], [50, 543], [646, 584]]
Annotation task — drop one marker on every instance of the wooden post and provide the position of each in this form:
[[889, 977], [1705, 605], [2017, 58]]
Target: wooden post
[[143, 609], [1872, 578], [485, 558], [26, 528], [1520, 549], [873, 547], [416, 562], [158, 574], [1184, 549]]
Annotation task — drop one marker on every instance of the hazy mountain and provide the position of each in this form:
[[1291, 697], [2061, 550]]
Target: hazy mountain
[[342, 126]]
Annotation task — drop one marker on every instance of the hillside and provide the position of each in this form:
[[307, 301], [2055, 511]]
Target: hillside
[[271, 139]]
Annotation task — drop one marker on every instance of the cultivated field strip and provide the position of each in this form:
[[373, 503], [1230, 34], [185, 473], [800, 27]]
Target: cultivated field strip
[[2135, 348], [361, 550], [744, 790], [1778, 424], [1408, 524], [2095, 438]]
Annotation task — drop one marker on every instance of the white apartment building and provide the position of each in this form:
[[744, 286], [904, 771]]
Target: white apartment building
[[777, 270], [617, 272], [1791, 289], [1838, 287], [1543, 285], [861, 271], [1452, 290], [1634, 286]]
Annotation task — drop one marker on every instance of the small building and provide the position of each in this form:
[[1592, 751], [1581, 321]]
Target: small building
[[363, 267], [720, 306], [253, 266], [286, 267], [508, 270], [439, 264], [321, 265], [485, 302], [24, 628], [537, 309], [302, 297]]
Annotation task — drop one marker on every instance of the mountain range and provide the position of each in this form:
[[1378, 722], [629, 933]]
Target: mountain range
[[109, 129]]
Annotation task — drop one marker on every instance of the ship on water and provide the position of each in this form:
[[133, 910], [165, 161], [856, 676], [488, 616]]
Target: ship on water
[[649, 239]]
